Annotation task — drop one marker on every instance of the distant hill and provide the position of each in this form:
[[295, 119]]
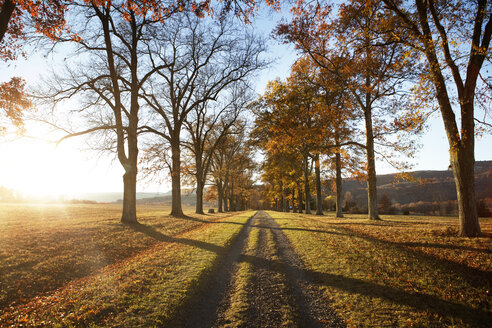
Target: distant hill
[[429, 186], [110, 197], [188, 197]]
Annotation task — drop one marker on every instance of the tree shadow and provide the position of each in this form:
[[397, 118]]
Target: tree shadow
[[159, 236], [300, 229], [475, 277], [191, 218], [446, 246], [418, 301]]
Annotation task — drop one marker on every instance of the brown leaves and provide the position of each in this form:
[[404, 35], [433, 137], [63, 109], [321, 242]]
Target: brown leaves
[[14, 101]]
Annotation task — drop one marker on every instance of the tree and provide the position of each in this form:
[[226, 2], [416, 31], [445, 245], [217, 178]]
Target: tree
[[206, 126], [384, 204], [348, 201], [13, 103], [368, 63], [232, 167], [454, 37], [108, 75], [333, 119], [200, 60], [286, 112]]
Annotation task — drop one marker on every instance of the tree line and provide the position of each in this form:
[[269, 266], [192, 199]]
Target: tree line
[[151, 80], [151, 74], [370, 73]]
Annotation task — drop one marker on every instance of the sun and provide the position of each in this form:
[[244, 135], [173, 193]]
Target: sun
[[31, 167], [38, 168]]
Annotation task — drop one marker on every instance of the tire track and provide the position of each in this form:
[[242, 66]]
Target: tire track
[[260, 282]]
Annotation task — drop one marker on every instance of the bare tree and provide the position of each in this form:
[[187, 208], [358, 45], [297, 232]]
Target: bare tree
[[206, 126], [200, 60], [107, 72]]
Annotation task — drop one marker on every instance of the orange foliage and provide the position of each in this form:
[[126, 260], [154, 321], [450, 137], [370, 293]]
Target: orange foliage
[[13, 101]]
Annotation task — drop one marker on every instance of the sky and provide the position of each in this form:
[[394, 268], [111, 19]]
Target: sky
[[37, 167]]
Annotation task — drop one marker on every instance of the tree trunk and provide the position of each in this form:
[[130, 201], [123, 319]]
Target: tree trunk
[[220, 195], [338, 185], [281, 205], [129, 215], [306, 186], [319, 196], [285, 203], [6, 12], [231, 196], [176, 209], [294, 207], [372, 196], [299, 194], [199, 197], [237, 203], [463, 164], [200, 183], [226, 193]]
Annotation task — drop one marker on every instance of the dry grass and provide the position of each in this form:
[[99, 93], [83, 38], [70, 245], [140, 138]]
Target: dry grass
[[48, 247], [402, 271]]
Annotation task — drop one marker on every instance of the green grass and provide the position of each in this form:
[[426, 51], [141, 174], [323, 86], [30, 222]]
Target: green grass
[[402, 271], [76, 264]]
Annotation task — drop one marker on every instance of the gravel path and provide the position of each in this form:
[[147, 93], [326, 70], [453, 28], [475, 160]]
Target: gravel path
[[278, 291]]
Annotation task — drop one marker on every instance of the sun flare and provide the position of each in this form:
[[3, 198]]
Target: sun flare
[[39, 169]]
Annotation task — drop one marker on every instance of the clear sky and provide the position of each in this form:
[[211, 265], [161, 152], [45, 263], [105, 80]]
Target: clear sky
[[38, 167]]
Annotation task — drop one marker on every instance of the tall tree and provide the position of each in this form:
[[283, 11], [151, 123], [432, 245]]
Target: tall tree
[[200, 60], [206, 126], [454, 37], [108, 75], [354, 45]]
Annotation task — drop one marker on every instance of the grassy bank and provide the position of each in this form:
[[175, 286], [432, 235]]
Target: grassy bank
[[77, 264], [402, 271]]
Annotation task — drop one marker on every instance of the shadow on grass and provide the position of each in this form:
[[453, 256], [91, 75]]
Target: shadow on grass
[[212, 219], [475, 277], [418, 301], [300, 229], [159, 236], [446, 246]]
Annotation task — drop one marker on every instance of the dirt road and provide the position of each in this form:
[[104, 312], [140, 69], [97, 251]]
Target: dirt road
[[261, 282]]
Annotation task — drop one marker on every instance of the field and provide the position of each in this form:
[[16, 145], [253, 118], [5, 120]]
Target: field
[[76, 265], [402, 271]]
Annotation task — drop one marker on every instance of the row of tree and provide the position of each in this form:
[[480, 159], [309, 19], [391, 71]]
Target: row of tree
[[142, 67], [147, 80], [375, 68]]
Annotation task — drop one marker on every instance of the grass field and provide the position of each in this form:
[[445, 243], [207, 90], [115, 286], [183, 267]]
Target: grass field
[[76, 264], [402, 271]]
